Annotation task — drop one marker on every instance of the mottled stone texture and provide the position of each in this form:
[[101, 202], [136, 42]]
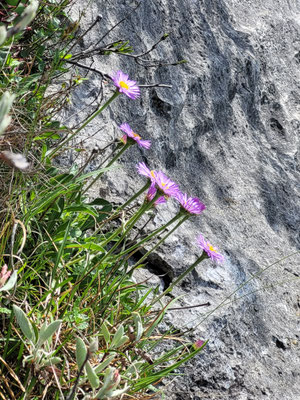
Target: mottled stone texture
[[228, 132]]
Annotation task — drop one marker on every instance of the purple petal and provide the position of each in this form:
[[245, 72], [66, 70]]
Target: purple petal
[[145, 143]]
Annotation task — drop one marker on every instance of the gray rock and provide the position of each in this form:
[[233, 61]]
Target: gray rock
[[228, 132]]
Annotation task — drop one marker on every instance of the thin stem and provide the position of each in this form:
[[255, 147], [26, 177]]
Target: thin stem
[[119, 230], [72, 394], [129, 226], [114, 96], [117, 212], [159, 243], [124, 148], [181, 277], [132, 250], [135, 196], [154, 233], [260, 272]]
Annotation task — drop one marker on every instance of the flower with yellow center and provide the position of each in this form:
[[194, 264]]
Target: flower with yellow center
[[159, 180], [163, 183], [144, 170], [209, 250], [125, 85], [192, 205], [134, 136]]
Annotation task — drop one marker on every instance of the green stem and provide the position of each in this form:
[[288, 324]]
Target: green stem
[[181, 277], [135, 196], [116, 213], [159, 243], [130, 224], [133, 219], [114, 96], [124, 148], [154, 233]]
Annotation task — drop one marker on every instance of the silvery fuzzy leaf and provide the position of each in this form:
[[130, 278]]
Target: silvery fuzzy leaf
[[138, 325], [26, 17], [10, 283], [94, 344], [81, 352], [3, 34], [5, 104], [105, 363], [117, 336], [92, 377], [27, 359], [51, 361], [134, 368], [47, 332], [108, 378], [114, 393], [24, 323], [105, 333], [123, 340]]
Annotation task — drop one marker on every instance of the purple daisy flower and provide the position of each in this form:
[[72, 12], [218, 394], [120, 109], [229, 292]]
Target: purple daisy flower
[[125, 85], [129, 132], [151, 193], [168, 187], [209, 250], [144, 170], [192, 205]]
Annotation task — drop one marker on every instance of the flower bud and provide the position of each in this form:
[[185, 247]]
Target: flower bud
[[4, 275], [199, 343]]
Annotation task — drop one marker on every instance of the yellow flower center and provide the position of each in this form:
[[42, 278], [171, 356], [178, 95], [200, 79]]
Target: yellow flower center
[[123, 85], [211, 248], [136, 135], [164, 184], [152, 174]]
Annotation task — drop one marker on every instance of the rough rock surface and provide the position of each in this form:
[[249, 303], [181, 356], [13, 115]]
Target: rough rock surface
[[228, 132]]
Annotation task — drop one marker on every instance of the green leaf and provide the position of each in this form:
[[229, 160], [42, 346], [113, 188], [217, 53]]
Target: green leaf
[[92, 377], [99, 202], [81, 352], [47, 135], [24, 323], [117, 336], [49, 331], [138, 325], [122, 341], [104, 364], [51, 361], [105, 333], [13, 2], [88, 246], [67, 56], [10, 283], [4, 310], [81, 208]]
